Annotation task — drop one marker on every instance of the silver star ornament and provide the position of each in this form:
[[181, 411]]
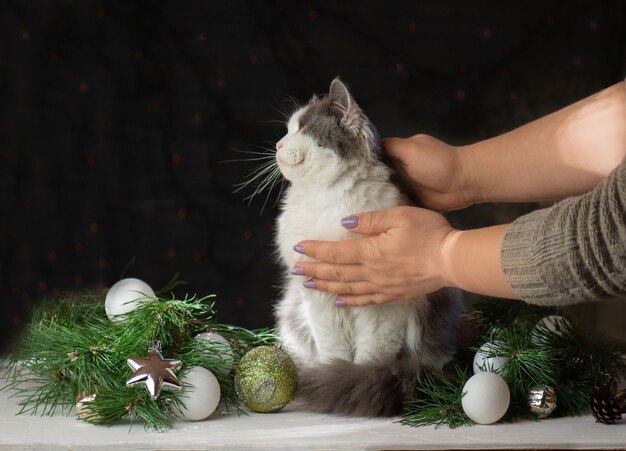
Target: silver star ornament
[[154, 371]]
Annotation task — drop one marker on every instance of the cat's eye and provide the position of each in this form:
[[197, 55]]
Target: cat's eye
[[301, 125]]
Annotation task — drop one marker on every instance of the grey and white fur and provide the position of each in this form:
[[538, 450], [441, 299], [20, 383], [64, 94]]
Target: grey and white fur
[[355, 361]]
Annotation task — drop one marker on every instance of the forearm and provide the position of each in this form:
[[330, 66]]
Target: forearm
[[574, 251], [565, 153], [470, 259]]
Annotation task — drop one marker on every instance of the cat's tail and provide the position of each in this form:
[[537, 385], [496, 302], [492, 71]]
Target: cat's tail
[[348, 388]]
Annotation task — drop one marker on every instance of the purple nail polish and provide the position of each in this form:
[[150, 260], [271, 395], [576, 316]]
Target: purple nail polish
[[350, 222], [340, 302], [297, 271], [310, 284], [299, 249]]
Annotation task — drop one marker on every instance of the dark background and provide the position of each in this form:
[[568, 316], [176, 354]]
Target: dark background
[[116, 118]]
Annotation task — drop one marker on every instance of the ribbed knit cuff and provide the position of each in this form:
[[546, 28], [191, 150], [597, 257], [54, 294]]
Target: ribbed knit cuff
[[517, 259]]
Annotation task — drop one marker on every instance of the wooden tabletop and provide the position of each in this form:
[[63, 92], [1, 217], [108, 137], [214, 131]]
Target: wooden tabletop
[[296, 429]]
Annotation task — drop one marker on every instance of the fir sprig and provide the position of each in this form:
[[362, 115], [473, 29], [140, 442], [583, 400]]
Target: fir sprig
[[171, 321], [494, 313], [71, 348], [556, 354], [526, 364], [438, 400], [582, 362]]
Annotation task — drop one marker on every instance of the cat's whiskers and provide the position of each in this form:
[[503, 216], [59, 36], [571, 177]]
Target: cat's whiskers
[[264, 170], [269, 174], [274, 121], [286, 106], [264, 153], [263, 178], [237, 160], [280, 191], [271, 181]]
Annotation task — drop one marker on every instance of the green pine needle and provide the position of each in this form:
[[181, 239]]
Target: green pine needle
[[438, 401], [71, 348], [495, 313], [562, 357]]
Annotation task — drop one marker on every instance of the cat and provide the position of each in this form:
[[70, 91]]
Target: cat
[[361, 361]]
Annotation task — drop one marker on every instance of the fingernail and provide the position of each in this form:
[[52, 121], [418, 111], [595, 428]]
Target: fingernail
[[299, 249], [350, 222], [310, 284], [297, 271], [340, 302]]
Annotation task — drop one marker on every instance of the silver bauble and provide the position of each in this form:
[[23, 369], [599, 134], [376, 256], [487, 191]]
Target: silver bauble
[[541, 400]]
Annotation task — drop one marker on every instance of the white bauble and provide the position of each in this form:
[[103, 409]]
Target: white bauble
[[125, 296], [492, 364], [222, 347], [486, 398], [201, 394], [550, 322]]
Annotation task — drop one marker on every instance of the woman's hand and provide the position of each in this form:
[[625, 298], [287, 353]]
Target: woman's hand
[[398, 259], [434, 169]]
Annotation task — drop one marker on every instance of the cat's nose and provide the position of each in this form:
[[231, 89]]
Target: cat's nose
[[279, 145]]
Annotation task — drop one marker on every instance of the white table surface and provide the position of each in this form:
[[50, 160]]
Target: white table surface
[[296, 429]]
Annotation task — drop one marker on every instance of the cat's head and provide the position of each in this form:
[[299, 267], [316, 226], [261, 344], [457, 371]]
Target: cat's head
[[326, 138]]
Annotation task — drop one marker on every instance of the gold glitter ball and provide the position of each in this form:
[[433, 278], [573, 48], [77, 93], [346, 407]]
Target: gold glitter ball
[[266, 379]]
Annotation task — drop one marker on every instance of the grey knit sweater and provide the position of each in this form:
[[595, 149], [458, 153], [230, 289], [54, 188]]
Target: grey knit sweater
[[574, 251]]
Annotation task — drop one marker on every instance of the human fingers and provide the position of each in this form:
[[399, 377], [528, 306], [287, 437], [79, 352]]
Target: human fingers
[[359, 287], [363, 250], [344, 252], [330, 271], [375, 222], [362, 300]]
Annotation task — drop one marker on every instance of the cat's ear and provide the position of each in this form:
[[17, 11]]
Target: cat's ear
[[344, 104], [340, 95]]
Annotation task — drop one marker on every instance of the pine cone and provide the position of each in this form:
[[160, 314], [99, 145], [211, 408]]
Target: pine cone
[[606, 403]]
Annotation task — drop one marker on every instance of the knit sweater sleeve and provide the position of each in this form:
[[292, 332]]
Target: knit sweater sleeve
[[573, 251]]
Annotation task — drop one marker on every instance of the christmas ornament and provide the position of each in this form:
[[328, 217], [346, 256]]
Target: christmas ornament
[[607, 403], [266, 378], [154, 371], [200, 394], [68, 360], [486, 398], [541, 400], [81, 399], [223, 348], [493, 364], [125, 296], [88, 358], [552, 323]]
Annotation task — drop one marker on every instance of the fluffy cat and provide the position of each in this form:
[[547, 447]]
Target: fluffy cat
[[355, 361]]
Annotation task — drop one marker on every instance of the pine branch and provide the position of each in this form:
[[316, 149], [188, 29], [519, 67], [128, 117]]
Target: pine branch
[[583, 362], [495, 313], [438, 401], [169, 321], [249, 338], [560, 356], [528, 365], [169, 286], [72, 348], [133, 404]]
